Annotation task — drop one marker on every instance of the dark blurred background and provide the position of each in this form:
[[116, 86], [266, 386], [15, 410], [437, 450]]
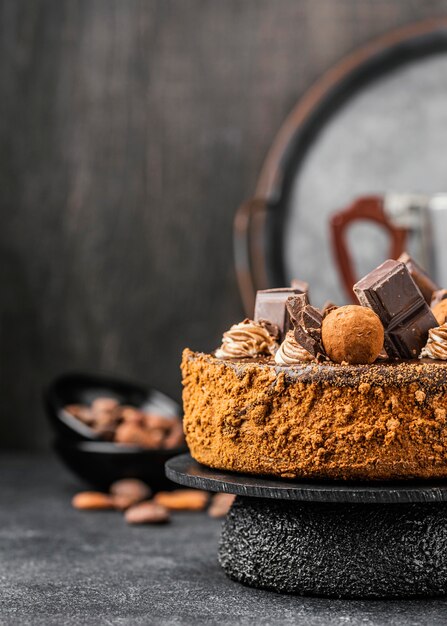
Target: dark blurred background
[[130, 132]]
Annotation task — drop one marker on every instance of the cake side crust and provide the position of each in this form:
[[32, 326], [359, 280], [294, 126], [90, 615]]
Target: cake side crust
[[346, 422]]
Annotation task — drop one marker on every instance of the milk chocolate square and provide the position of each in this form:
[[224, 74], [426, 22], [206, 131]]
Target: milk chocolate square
[[271, 306]]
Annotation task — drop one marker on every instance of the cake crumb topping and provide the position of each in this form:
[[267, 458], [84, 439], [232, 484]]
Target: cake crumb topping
[[317, 420]]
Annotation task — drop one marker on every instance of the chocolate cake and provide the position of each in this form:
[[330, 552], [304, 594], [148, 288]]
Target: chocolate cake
[[319, 420], [272, 400]]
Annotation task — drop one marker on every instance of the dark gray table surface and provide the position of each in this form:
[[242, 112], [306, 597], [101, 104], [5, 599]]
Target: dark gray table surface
[[61, 566]]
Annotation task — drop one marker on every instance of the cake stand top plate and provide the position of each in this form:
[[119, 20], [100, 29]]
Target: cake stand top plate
[[184, 470]]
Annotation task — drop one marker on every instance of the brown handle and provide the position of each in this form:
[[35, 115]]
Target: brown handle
[[249, 250], [366, 208]]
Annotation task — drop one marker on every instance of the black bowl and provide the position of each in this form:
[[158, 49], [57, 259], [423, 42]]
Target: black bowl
[[101, 462]]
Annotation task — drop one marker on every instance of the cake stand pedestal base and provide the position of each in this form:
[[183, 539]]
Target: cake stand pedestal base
[[329, 539], [337, 550]]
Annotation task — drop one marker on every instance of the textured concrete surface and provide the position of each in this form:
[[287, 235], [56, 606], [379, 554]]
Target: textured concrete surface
[[60, 566], [337, 550]]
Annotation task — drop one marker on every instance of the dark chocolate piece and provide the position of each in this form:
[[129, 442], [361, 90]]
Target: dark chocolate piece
[[426, 285], [392, 294], [308, 331], [272, 329], [295, 305], [299, 285], [328, 306], [438, 296], [306, 321], [271, 306]]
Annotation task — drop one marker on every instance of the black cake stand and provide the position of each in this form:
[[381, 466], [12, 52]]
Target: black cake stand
[[326, 538]]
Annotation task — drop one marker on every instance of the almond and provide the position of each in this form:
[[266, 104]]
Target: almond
[[183, 499], [131, 415], [121, 503], [104, 404], [175, 437], [92, 501], [132, 489], [81, 412], [147, 513], [221, 504], [153, 420], [133, 434]]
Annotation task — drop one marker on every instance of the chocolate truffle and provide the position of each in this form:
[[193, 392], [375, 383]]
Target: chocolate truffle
[[352, 334], [440, 312]]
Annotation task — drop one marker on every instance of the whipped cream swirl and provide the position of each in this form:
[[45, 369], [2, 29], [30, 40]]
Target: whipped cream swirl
[[247, 339], [290, 352], [436, 346]]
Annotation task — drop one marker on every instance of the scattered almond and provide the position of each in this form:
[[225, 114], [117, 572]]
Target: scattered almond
[[121, 503], [147, 513], [130, 488], [92, 501], [220, 504], [182, 499]]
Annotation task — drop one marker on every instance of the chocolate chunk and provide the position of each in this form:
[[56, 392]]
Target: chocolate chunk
[[300, 285], [308, 331], [438, 296], [328, 306], [271, 306], [426, 285], [306, 321], [272, 329], [390, 291], [295, 306]]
